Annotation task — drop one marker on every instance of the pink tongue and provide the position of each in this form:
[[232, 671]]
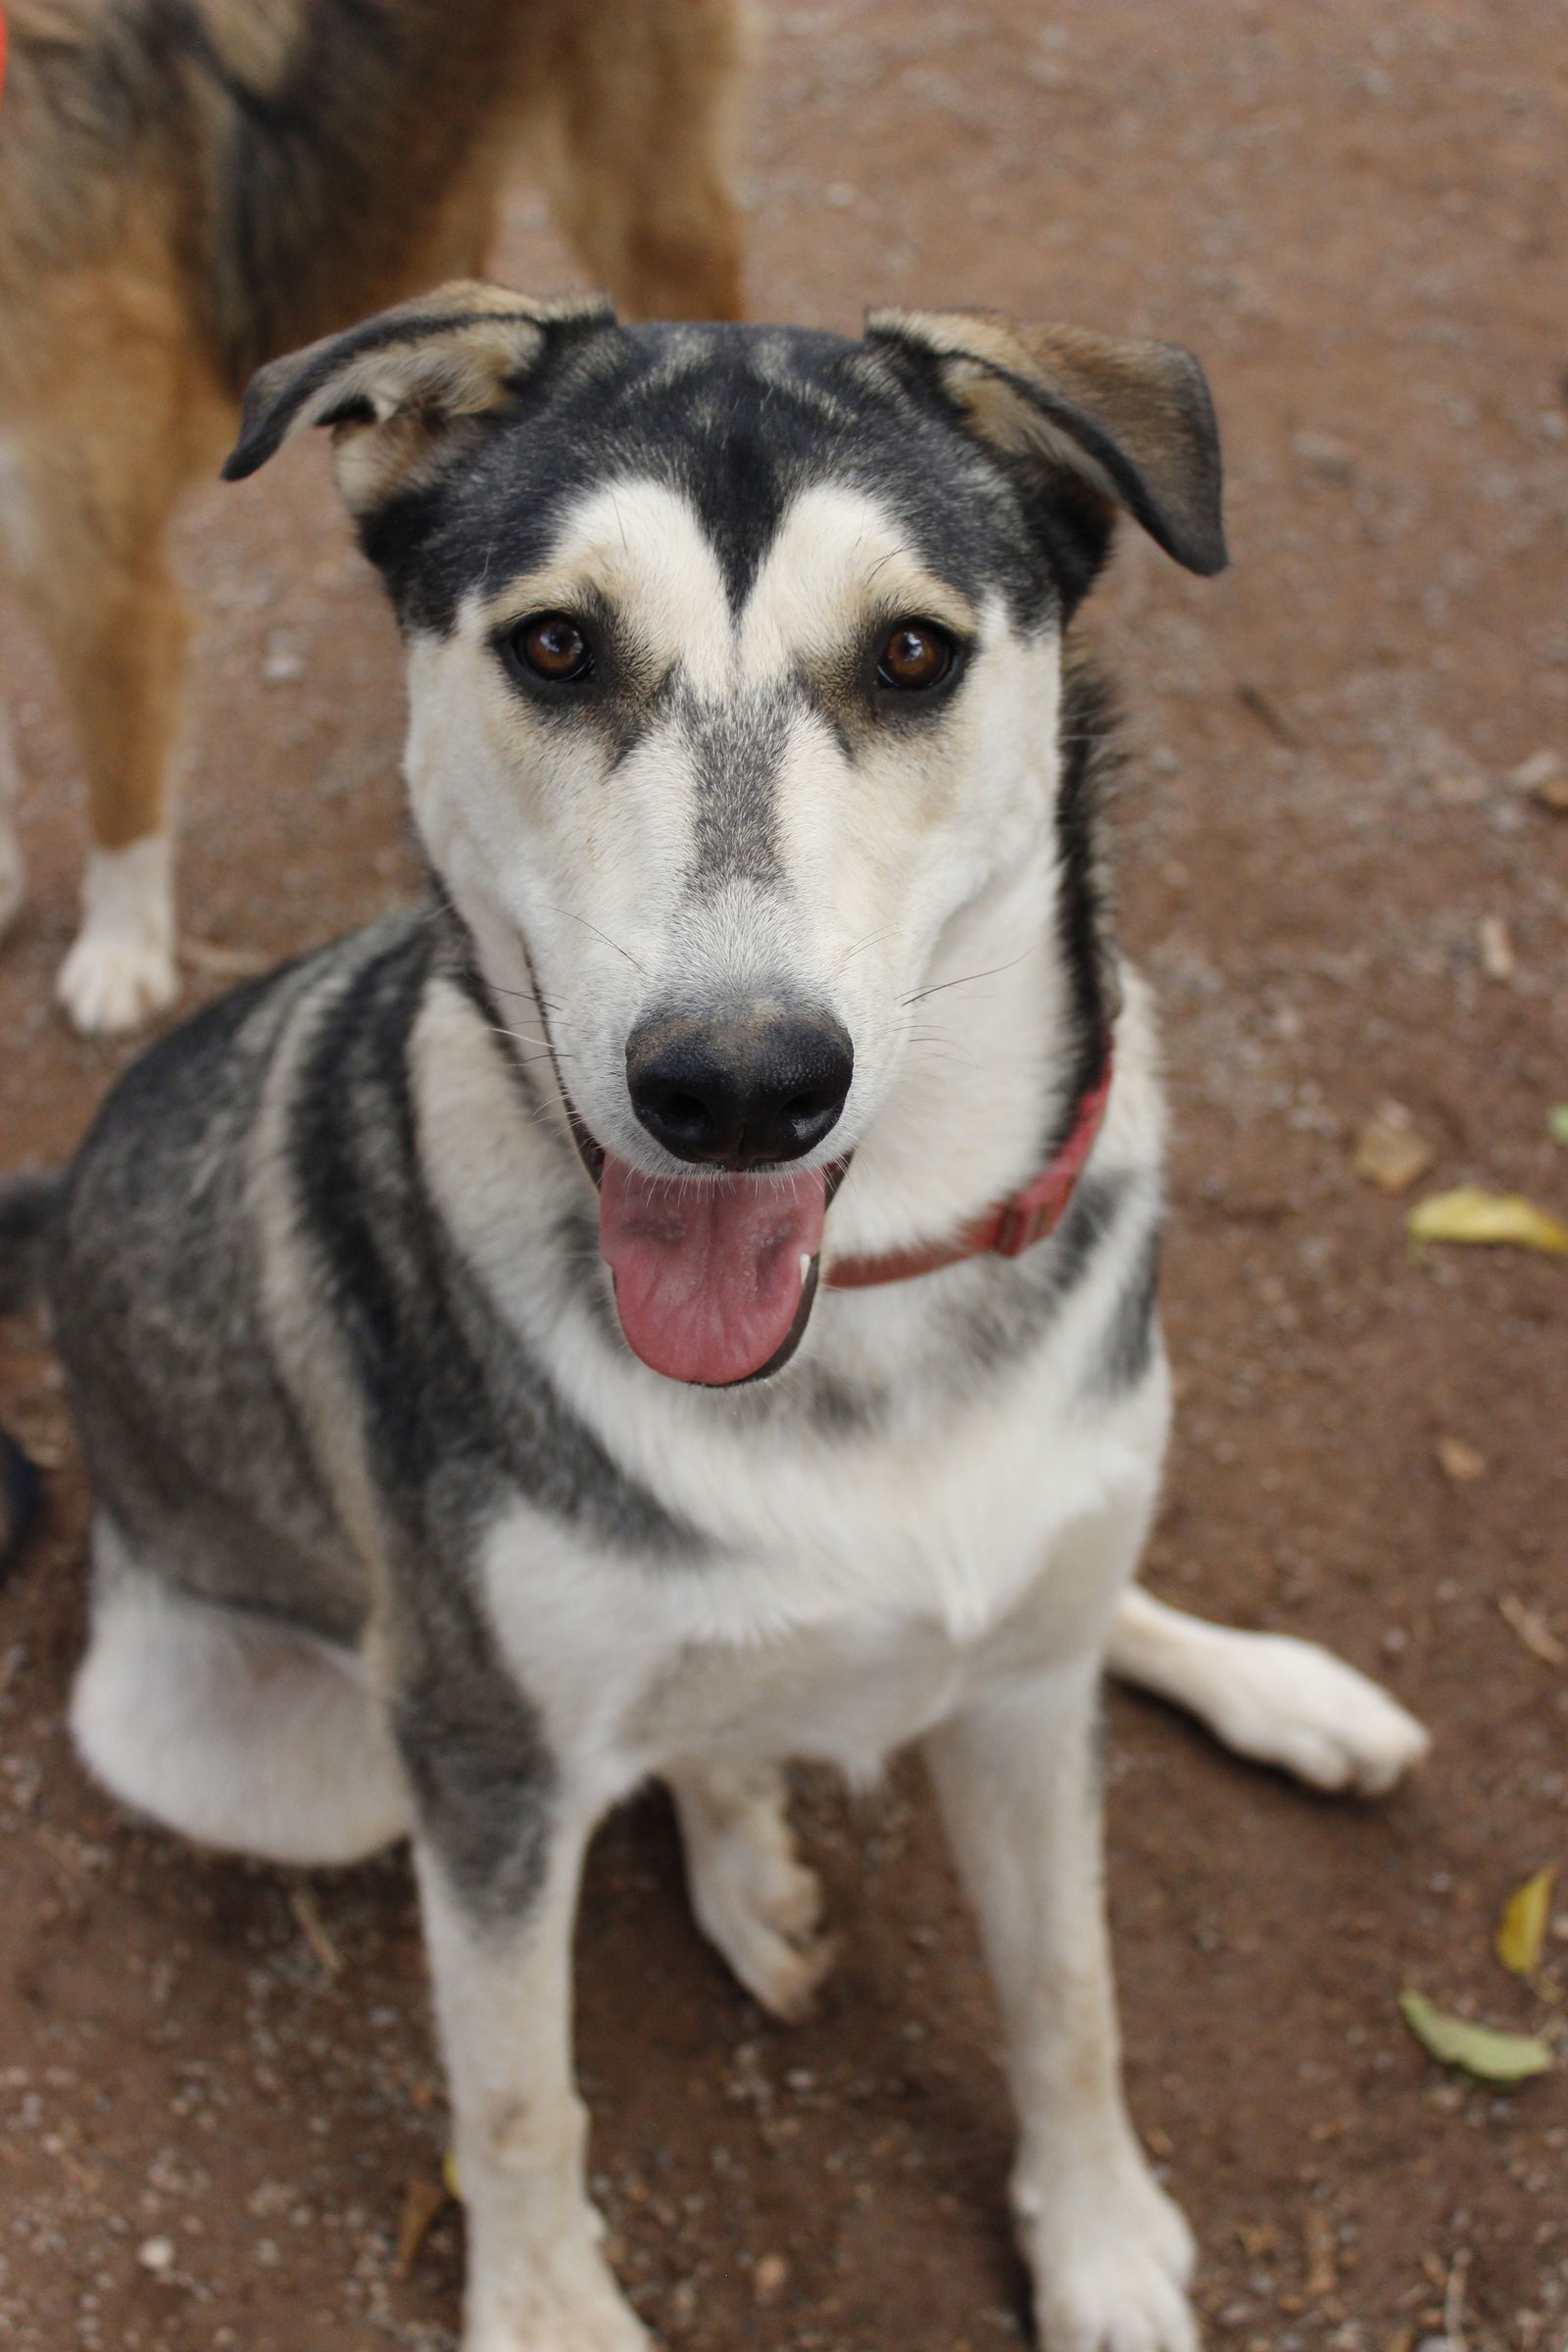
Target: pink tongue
[[708, 1273]]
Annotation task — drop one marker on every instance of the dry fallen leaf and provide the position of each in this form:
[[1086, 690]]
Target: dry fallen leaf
[[1388, 1153], [422, 2201], [1317, 2231], [1266, 707], [313, 1927], [1543, 774], [1470, 1213], [1533, 1630], [1480, 2050], [1522, 1929], [1460, 1461], [224, 962]]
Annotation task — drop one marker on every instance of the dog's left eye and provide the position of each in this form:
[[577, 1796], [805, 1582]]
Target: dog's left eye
[[553, 648], [915, 655]]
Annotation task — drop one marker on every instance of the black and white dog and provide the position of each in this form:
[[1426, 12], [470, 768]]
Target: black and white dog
[[685, 1298]]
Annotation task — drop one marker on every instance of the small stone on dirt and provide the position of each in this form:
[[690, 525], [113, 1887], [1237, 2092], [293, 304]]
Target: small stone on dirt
[[157, 2254], [1322, 455], [770, 2275], [1460, 1461], [1497, 958]]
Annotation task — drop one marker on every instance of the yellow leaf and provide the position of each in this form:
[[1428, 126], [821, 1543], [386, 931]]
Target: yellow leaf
[[1522, 1929], [1470, 1214], [422, 2201], [449, 2180], [1490, 2056]]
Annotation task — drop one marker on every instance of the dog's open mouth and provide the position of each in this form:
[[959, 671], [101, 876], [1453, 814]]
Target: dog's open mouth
[[714, 1277]]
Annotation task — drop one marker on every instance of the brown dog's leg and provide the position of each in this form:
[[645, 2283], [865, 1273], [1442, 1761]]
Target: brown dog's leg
[[100, 481], [635, 129]]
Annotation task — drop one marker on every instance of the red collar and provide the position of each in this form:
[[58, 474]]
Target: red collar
[[1014, 1225]]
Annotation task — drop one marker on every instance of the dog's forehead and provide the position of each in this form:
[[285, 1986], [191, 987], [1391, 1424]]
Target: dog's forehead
[[747, 433]]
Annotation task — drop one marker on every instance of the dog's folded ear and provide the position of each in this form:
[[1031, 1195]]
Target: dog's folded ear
[[1132, 422], [406, 391]]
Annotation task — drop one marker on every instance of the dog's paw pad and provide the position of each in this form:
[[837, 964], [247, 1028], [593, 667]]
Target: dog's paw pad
[[112, 982]]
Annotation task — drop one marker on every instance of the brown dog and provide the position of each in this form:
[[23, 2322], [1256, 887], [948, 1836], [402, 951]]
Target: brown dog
[[190, 187]]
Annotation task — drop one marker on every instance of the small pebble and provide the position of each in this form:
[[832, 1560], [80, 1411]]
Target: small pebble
[[770, 2274], [157, 2254]]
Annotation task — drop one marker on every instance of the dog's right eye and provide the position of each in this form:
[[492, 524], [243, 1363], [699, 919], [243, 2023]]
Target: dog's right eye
[[552, 647]]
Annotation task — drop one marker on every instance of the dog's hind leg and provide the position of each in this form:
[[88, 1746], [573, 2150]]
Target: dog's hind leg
[[1269, 1696], [754, 1898], [229, 1729], [634, 130]]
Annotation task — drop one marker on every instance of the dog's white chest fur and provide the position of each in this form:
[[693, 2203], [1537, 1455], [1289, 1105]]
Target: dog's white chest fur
[[849, 1604]]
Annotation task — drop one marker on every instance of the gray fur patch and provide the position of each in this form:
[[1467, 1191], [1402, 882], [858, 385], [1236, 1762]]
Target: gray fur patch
[[481, 1776], [1016, 1301], [735, 749], [1127, 1349]]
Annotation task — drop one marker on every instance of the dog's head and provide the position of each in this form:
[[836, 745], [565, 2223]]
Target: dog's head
[[734, 670]]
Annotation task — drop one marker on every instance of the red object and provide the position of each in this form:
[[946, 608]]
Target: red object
[[1012, 1226]]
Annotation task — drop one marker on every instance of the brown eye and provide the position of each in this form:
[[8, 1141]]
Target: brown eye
[[917, 654], [553, 648]]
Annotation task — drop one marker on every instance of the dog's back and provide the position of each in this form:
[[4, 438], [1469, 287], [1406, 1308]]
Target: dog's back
[[287, 164]]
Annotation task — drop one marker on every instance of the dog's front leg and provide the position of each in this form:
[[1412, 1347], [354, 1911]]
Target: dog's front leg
[[501, 1959], [1109, 2253]]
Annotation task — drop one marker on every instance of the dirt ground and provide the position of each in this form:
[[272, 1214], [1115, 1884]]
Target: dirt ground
[[216, 2087]]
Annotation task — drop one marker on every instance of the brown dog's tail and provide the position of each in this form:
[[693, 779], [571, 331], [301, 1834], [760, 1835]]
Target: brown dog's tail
[[28, 1206]]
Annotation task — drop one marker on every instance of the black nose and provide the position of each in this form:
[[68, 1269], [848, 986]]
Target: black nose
[[745, 1092]]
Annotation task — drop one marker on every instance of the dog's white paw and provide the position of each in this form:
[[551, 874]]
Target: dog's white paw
[[121, 970], [754, 1898], [1294, 1704], [1110, 2260], [110, 985]]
